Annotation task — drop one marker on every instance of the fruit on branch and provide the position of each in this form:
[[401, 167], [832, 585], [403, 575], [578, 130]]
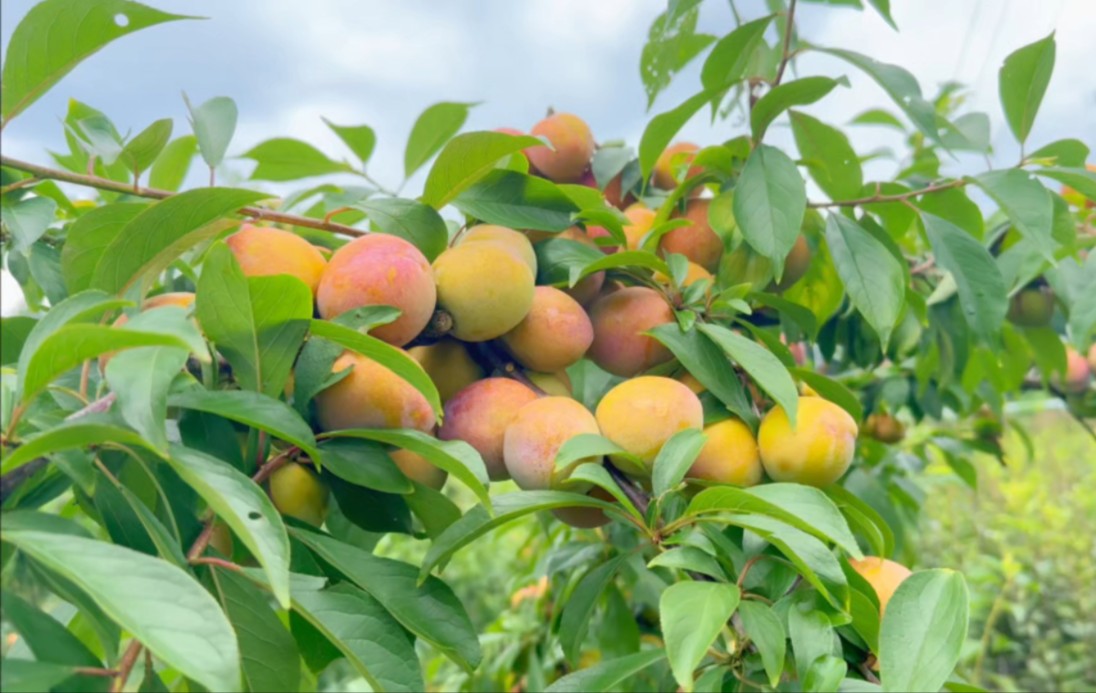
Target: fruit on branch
[[479, 415], [697, 241], [181, 299], [486, 287], [557, 384], [536, 434], [692, 275], [380, 270], [729, 456], [449, 365], [298, 492], [672, 159], [884, 428], [587, 289], [795, 265], [817, 452], [586, 518], [418, 469], [263, 251], [573, 145], [614, 189], [640, 221], [619, 320], [514, 241], [688, 380], [641, 414], [555, 333], [1031, 307], [1075, 198], [884, 575], [1077, 375], [221, 539], [595, 232], [371, 396], [1092, 357]]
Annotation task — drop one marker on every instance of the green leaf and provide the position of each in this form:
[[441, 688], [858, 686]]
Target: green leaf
[[861, 513], [14, 331], [762, 366], [28, 220], [1022, 82], [284, 158], [517, 201], [373, 642], [1070, 152], [257, 323], [591, 473], [689, 558], [430, 610], [163, 607], [97, 136], [465, 160], [692, 615], [508, 507], [433, 128], [1026, 202], [607, 675], [57, 35], [360, 138], [662, 129], [171, 166], [268, 654], [623, 258], [252, 409], [579, 608], [142, 150], [766, 632], [923, 631], [165, 541], [140, 378], [799, 92], [731, 55], [1080, 179], [75, 435], [364, 463], [803, 507], [392, 358], [873, 277], [214, 123], [88, 238], [26, 676], [982, 292], [410, 220], [456, 457], [955, 206], [769, 203], [829, 157], [50, 642], [672, 43], [244, 507], [157, 236], [674, 459], [833, 390], [706, 362]]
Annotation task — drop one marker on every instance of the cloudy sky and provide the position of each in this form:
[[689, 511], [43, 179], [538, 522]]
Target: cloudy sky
[[287, 63]]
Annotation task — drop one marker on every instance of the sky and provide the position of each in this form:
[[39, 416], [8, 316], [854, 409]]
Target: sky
[[288, 63]]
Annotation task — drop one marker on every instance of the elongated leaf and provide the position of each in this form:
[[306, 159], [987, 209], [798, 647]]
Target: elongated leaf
[[508, 507], [364, 463], [78, 434], [57, 35], [517, 200], [579, 608], [760, 363], [252, 409], [923, 631], [410, 220], [982, 292], [623, 258], [466, 159], [766, 632], [692, 615], [214, 123], [161, 233], [430, 610], [597, 475], [28, 676], [257, 323], [675, 458], [706, 362], [769, 204], [14, 331], [662, 129], [672, 43], [689, 558], [433, 128], [88, 238], [1022, 82], [171, 166], [1026, 202], [51, 642], [360, 138], [1080, 179], [244, 507], [731, 55], [28, 220], [605, 676], [141, 378], [873, 277], [142, 150], [454, 456], [285, 158], [799, 92], [833, 390], [395, 360], [829, 157], [159, 604], [268, 654]]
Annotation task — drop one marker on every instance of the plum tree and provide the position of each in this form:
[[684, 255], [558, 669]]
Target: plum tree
[[485, 287], [697, 241], [514, 241], [371, 396], [642, 413], [884, 428], [883, 574], [677, 155], [448, 364], [1031, 307], [535, 435], [619, 320], [299, 492], [418, 469], [729, 455], [816, 451], [572, 147], [264, 250], [555, 333], [479, 415], [1077, 375], [640, 220]]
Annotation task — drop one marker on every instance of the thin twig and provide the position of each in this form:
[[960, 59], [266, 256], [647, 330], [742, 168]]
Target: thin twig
[[629, 487], [126, 665], [19, 184], [219, 562], [156, 194], [94, 671], [786, 56], [493, 358], [899, 197]]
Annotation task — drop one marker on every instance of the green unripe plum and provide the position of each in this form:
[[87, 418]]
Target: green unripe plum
[[298, 492], [485, 287], [1032, 307]]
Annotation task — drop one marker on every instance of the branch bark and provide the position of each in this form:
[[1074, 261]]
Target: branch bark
[[786, 56], [899, 197]]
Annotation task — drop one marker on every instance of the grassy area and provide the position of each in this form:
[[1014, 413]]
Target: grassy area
[[1026, 540]]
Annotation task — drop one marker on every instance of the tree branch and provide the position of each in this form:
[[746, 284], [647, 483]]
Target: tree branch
[[629, 487], [126, 666], [156, 194], [899, 197], [786, 56]]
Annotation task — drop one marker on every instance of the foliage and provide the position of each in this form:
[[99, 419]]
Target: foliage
[[185, 476]]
